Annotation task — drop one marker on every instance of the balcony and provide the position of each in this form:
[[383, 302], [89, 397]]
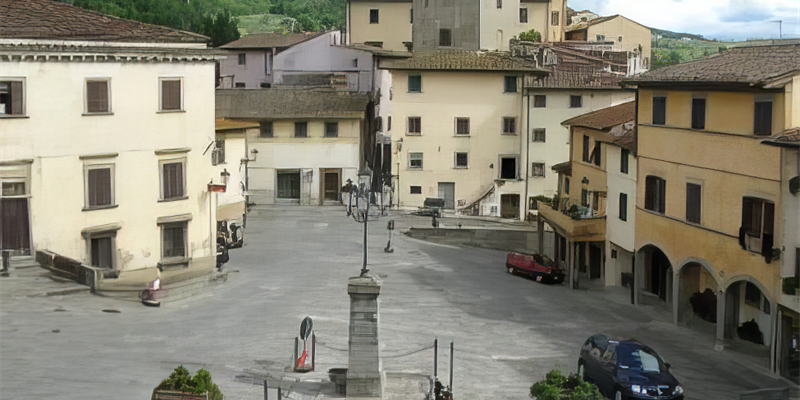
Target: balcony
[[588, 226]]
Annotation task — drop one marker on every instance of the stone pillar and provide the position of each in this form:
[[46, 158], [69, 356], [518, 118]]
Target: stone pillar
[[363, 373], [719, 344]]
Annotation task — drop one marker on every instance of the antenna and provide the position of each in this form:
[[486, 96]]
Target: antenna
[[780, 28]]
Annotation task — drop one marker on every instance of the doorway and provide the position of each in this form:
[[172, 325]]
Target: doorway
[[447, 191], [509, 206], [331, 184], [508, 168], [102, 252], [289, 185], [14, 222]]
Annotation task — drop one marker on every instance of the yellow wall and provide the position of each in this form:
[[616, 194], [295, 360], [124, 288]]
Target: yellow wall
[[581, 169], [729, 112], [393, 27], [632, 34]]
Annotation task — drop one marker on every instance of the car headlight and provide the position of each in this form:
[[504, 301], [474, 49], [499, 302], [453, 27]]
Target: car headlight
[[637, 389], [678, 390]]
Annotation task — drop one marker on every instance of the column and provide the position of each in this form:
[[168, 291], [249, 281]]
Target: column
[[363, 373]]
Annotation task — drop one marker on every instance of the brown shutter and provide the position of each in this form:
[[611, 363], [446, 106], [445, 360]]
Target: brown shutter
[[16, 98], [99, 181], [97, 96], [171, 95]]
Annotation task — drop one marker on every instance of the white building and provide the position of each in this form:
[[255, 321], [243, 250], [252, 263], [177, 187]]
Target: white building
[[307, 146], [103, 127], [230, 158]]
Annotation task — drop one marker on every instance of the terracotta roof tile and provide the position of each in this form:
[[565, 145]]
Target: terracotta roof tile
[[747, 65], [45, 19], [269, 40], [224, 124], [605, 118], [462, 60], [788, 138], [288, 103]]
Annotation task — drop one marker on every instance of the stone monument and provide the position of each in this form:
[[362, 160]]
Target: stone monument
[[363, 373]]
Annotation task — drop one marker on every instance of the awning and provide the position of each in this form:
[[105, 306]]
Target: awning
[[230, 211]]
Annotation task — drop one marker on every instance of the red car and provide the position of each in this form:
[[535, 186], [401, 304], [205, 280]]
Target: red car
[[540, 268]]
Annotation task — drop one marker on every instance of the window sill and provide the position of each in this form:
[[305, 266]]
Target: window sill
[[93, 208], [170, 111], [13, 116], [460, 167], [414, 168], [174, 262], [466, 135], [508, 134], [414, 92], [97, 114], [173, 199], [413, 134]]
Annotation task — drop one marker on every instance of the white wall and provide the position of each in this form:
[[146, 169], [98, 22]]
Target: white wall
[[55, 134], [506, 19], [620, 235], [235, 151], [254, 72]]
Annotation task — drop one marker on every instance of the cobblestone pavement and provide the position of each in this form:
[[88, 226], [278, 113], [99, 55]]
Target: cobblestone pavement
[[507, 331]]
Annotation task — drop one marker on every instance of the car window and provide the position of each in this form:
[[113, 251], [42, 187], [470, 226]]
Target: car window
[[642, 360]]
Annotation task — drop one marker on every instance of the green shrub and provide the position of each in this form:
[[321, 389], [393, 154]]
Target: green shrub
[[181, 380], [556, 386]]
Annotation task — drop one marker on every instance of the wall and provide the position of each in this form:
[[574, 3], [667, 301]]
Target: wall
[[284, 151], [462, 17], [235, 151], [54, 95], [393, 27], [445, 96], [556, 147], [620, 232], [633, 34], [321, 54], [254, 72], [506, 19]]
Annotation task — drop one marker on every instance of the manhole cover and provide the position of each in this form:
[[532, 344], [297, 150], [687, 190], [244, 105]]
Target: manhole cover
[[112, 311]]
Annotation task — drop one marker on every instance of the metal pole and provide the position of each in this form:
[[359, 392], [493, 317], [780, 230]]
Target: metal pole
[[313, 350], [280, 395], [364, 269], [266, 390], [451, 370], [294, 363], [435, 357]]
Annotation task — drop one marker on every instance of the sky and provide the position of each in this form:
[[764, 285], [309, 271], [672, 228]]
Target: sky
[[714, 19]]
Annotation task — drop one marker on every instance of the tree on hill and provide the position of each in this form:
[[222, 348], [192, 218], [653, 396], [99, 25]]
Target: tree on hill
[[311, 15]]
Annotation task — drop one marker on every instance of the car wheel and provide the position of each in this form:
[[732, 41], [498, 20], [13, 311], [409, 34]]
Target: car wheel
[[619, 396], [581, 371], [511, 270]]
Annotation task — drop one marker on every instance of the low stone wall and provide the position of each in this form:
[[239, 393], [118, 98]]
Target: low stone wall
[[69, 268], [525, 241]]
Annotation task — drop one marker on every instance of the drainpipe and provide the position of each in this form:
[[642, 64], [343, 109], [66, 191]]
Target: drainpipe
[[527, 154]]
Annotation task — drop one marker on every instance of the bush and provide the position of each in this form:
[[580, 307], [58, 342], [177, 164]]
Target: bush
[[530, 36], [556, 386], [181, 380]]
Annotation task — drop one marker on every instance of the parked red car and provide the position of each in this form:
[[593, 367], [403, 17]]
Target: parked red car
[[534, 265]]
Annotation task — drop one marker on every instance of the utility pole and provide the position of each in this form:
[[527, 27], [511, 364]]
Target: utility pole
[[780, 28]]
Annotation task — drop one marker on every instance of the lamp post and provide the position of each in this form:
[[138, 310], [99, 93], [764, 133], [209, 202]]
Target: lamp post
[[364, 184]]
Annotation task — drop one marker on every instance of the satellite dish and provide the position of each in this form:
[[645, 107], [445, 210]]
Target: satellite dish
[[306, 327]]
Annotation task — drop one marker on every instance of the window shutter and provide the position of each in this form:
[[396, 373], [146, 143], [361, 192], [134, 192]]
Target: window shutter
[[16, 98], [693, 202], [171, 95], [97, 96], [662, 195], [99, 181]]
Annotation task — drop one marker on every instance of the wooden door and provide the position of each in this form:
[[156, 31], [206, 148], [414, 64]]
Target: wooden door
[[332, 186], [14, 221]]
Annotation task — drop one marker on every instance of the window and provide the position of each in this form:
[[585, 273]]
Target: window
[[416, 189], [242, 58], [554, 20], [566, 185], [499, 3], [510, 84], [693, 202], [13, 189], [102, 249], [619, 38], [300, 129], [171, 96], [97, 97], [373, 16], [659, 110], [445, 38], [699, 113], [758, 218], [218, 154], [239, 85], [539, 101], [173, 181], [575, 101], [584, 198], [762, 124], [596, 153], [586, 154], [538, 170], [415, 160], [539, 135], [462, 126], [99, 186], [509, 125], [414, 125], [332, 129], [508, 168], [11, 97], [655, 194], [600, 38], [623, 206], [623, 161], [411, 19], [173, 240], [415, 83], [532, 203], [462, 160], [389, 123], [523, 15], [265, 129]]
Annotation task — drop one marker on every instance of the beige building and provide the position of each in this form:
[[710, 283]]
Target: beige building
[[103, 142], [710, 207], [230, 157], [380, 23], [455, 123], [579, 213], [307, 146], [617, 33]]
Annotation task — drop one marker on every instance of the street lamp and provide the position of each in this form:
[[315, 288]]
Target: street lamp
[[364, 186]]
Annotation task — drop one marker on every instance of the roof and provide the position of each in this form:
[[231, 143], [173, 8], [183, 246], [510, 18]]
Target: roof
[[563, 168], [788, 138], [463, 60], [586, 24], [571, 77], [605, 118], [288, 103], [224, 124], [755, 66], [379, 51], [269, 40], [45, 19]]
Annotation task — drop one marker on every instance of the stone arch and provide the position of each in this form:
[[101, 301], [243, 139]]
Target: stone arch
[[743, 304], [654, 270], [696, 293]]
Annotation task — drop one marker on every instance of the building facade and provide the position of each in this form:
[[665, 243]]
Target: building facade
[[307, 146], [380, 23], [121, 183], [617, 33], [230, 157]]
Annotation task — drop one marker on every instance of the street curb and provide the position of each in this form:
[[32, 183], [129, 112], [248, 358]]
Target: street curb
[[63, 292]]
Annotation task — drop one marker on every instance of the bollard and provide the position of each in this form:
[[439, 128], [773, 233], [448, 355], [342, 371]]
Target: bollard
[[6, 254]]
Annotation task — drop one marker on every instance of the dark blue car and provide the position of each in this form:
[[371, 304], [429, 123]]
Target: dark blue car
[[627, 369]]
